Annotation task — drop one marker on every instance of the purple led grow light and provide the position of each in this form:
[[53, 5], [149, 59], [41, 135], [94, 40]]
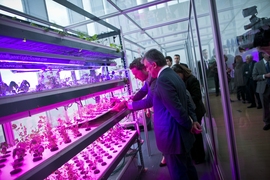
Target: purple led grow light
[[40, 60], [28, 45]]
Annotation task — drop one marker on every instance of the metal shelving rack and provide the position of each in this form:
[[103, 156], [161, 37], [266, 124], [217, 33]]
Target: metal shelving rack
[[60, 157], [23, 32], [32, 103]]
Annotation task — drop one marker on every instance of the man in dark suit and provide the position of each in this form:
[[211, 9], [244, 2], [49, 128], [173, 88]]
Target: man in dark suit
[[139, 71], [172, 124], [250, 83], [205, 63], [261, 74], [177, 60]]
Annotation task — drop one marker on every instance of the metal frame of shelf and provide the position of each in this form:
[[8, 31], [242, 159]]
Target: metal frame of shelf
[[23, 31], [119, 157], [54, 162], [18, 106], [128, 160], [23, 103]]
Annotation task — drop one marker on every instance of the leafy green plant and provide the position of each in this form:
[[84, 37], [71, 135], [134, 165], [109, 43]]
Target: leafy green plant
[[81, 35], [87, 37], [46, 29], [62, 33], [95, 37], [117, 47], [33, 24]]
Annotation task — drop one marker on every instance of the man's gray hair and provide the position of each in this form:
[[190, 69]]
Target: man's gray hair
[[156, 56], [249, 57]]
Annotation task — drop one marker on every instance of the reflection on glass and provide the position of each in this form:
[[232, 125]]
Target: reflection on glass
[[231, 23], [15, 4], [98, 8], [162, 13], [124, 4]]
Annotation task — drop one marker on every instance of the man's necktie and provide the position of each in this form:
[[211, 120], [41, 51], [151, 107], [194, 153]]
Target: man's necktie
[[206, 64], [268, 71], [267, 67]]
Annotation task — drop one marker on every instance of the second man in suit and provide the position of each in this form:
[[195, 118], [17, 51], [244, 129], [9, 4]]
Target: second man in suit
[[172, 123], [261, 74]]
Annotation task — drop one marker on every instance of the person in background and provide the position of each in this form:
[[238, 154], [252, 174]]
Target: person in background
[[261, 74], [193, 86], [230, 58], [239, 78], [214, 71], [169, 60], [229, 62], [250, 83], [139, 71], [206, 64], [177, 60], [172, 125]]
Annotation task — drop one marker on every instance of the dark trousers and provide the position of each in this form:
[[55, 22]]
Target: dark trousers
[[216, 83], [180, 167], [197, 151], [251, 91], [266, 100], [241, 93]]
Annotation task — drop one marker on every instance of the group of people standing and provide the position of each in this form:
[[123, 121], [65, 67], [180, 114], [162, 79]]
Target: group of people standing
[[174, 93], [244, 82], [251, 79], [255, 88]]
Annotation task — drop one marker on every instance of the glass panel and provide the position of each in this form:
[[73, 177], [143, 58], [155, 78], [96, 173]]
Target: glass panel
[[169, 29], [160, 14], [98, 29], [160, 34], [218, 141], [232, 22], [124, 4], [16, 4], [123, 22], [140, 38], [174, 44], [98, 8], [57, 13]]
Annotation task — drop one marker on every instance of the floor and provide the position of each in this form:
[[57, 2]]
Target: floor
[[252, 142], [154, 172]]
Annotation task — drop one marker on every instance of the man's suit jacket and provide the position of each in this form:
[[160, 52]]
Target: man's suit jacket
[[172, 124], [183, 64], [247, 72], [147, 89], [257, 74], [193, 86]]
